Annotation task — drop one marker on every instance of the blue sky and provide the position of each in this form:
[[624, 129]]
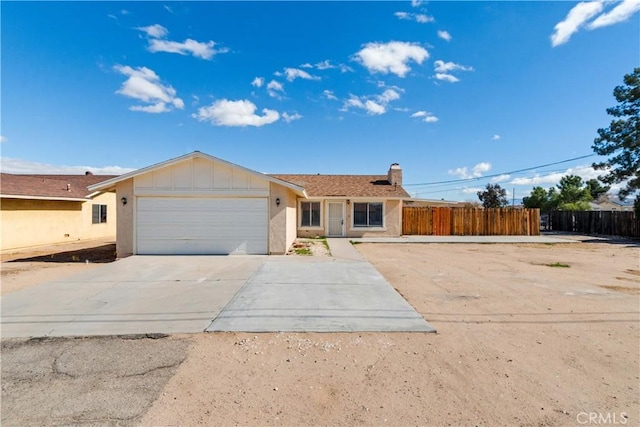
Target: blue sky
[[449, 90]]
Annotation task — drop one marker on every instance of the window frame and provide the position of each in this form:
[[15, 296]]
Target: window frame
[[99, 213], [300, 216], [368, 226]]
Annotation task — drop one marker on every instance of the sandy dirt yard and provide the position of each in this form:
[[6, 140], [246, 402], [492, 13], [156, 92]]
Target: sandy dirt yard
[[536, 335], [527, 335]]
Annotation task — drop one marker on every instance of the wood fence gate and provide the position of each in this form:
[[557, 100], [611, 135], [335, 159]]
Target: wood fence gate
[[446, 221]]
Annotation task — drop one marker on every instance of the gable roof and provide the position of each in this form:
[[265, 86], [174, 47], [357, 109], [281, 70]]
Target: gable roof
[[109, 184], [48, 187], [346, 185]]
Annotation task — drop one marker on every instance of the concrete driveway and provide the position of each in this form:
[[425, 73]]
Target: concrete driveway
[[182, 294], [139, 294]]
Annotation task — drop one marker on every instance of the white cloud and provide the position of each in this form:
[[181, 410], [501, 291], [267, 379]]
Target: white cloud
[[374, 108], [257, 82], [275, 89], [295, 73], [168, 8], [476, 171], [13, 165], [586, 172], [444, 69], [143, 84], [501, 178], [235, 113], [290, 117], [4, 138], [471, 190], [373, 105], [444, 35], [189, 46], [418, 17], [306, 65], [446, 77], [574, 20], [620, 13], [495, 137], [417, 3], [156, 31], [329, 94], [325, 65], [427, 117], [393, 57]]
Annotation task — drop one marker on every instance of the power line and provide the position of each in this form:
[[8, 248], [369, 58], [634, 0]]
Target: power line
[[498, 174]]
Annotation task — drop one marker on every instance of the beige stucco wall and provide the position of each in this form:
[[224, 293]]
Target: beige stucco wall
[[282, 219], [392, 221], [28, 223], [124, 230]]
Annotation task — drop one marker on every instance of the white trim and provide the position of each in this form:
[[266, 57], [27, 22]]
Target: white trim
[[236, 193], [344, 217], [61, 199], [196, 154], [375, 228]]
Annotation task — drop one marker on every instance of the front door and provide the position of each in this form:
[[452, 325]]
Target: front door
[[335, 219]]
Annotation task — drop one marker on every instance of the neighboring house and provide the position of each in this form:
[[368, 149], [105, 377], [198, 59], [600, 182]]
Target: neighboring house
[[611, 205], [199, 204], [46, 209]]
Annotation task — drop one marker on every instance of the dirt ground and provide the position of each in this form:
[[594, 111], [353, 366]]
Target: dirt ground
[[519, 342], [31, 266], [527, 335]]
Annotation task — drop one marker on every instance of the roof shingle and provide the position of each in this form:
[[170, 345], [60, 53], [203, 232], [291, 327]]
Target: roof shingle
[[54, 186], [345, 185]]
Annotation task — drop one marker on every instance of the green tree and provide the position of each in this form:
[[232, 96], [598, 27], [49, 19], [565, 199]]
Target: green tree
[[596, 189], [539, 198], [572, 191], [493, 196], [621, 140]]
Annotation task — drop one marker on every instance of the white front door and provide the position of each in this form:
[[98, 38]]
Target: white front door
[[335, 219]]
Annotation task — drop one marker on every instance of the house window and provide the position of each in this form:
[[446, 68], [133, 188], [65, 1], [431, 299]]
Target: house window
[[367, 214], [310, 214], [98, 214]]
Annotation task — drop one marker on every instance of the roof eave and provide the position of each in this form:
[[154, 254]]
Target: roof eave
[[55, 198]]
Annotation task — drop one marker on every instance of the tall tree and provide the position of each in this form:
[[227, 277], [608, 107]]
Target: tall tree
[[572, 190], [539, 198], [493, 196], [621, 140], [596, 189]]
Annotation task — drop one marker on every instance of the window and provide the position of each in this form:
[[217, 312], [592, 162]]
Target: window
[[98, 214], [367, 214], [310, 214]]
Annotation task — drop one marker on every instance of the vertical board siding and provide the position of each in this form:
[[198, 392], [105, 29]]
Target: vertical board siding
[[446, 221], [608, 223]]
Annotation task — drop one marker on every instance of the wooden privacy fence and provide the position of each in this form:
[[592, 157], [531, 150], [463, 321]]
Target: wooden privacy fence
[[609, 223], [446, 221]]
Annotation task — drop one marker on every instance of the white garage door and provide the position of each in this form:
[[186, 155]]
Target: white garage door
[[174, 225]]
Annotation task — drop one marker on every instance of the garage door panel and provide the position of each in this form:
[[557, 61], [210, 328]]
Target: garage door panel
[[201, 226]]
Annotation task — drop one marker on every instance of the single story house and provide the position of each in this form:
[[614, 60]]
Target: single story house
[[200, 204], [47, 209]]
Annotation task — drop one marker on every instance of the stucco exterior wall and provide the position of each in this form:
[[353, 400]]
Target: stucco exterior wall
[[28, 223], [124, 229], [392, 221], [282, 219]]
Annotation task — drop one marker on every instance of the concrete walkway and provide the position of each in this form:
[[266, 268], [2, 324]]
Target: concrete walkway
[[342, 248], [461, 239], [318, 294]]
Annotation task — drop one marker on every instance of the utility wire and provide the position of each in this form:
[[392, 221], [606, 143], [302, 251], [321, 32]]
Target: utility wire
[[498, 174]]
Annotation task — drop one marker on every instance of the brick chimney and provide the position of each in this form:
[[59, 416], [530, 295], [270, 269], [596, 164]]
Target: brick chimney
[[394, 176]]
